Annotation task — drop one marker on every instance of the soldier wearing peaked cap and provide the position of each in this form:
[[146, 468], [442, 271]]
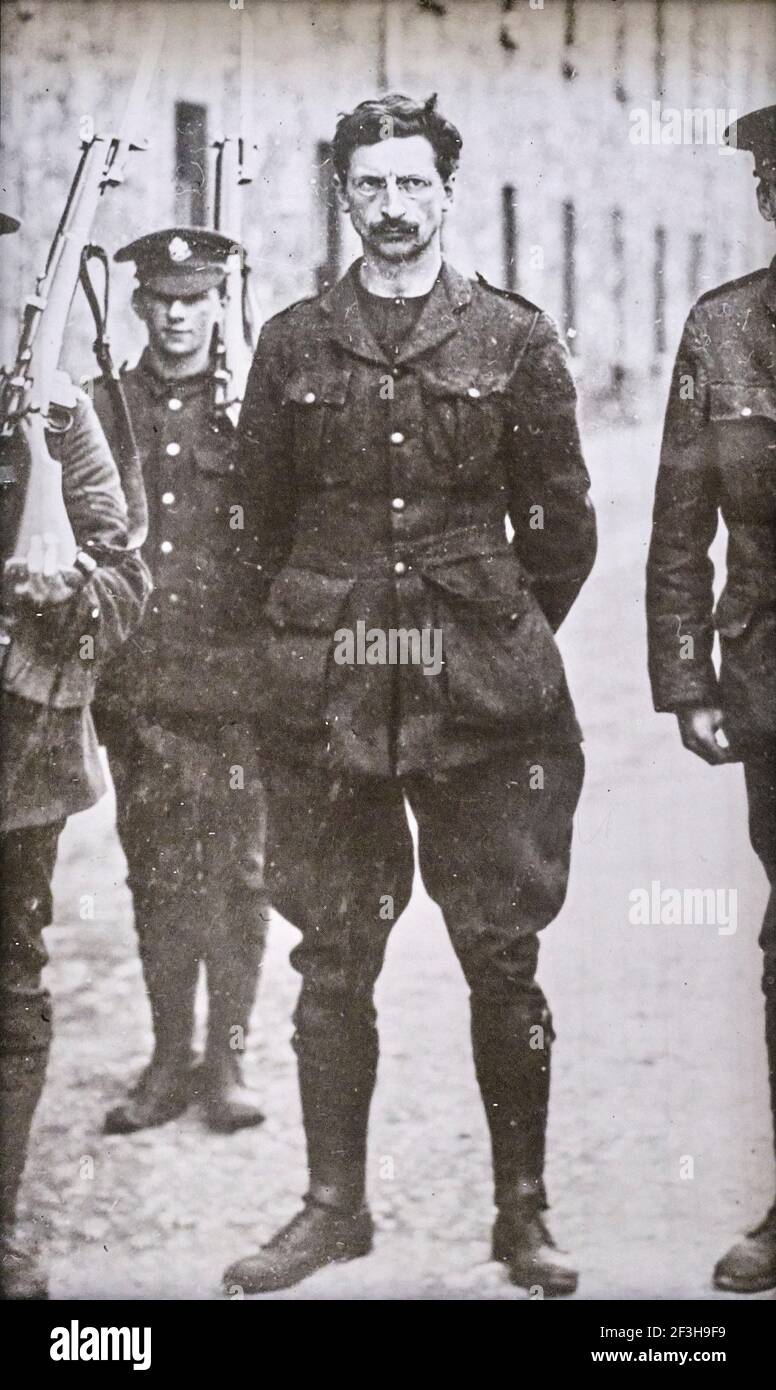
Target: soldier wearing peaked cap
[[174, 711], [719, 448]]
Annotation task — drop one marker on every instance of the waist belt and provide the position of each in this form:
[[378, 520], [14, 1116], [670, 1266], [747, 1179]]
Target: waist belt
[[422, 552]]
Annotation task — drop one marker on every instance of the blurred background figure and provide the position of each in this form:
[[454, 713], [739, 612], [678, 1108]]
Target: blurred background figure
[[718, 458], [174, 712]]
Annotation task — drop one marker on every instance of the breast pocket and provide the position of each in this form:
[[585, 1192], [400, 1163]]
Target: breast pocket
[[317, 402], [744, 417], [464, 417]]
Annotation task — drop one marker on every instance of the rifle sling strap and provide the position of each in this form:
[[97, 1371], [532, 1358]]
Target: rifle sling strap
[[128, 461]]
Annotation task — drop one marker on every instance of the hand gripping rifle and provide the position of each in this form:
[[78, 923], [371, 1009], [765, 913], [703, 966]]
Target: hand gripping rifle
[[234, 344], [32, 391]]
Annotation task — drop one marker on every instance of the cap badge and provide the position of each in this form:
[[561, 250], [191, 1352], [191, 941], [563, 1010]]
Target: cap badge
[[179, 250]]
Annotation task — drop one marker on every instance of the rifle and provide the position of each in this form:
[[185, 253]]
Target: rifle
[[234, 340], [30, 390]]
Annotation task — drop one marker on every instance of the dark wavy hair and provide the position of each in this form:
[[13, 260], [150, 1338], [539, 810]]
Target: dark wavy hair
[[367, 124]]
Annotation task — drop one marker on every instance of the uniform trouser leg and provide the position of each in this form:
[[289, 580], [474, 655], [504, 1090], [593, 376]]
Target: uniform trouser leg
[[156, 823], [340, 868], [494, 849], [760, 772], [232, 826], [27, 859]]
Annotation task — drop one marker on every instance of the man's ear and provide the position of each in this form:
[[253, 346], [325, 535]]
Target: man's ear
[[139, 302], [766, 199], [342, 194], [449, 187]]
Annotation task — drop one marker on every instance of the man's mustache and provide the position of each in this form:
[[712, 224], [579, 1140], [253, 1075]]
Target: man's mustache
[[388, 227]]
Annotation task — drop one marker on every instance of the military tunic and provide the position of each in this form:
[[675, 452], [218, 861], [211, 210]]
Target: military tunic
[[718, 457], [193, 654], [50, 764], [380, 493]]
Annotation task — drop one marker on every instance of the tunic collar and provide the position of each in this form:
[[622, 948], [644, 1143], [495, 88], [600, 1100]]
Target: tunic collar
[[769, 288], [164, 387], [437, 322]]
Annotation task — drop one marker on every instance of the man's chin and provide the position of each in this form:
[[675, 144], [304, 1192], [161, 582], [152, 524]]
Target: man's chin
[[173, 347], [402, 249]]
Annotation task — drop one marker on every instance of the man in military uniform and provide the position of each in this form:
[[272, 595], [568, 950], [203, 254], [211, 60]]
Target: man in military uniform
[[175, 710], [719, 450], [50, 765], [391, 426]]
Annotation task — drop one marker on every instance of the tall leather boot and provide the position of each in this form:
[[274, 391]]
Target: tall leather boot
[[23, 1060], [164, 1089], [749, 1266], [336, 1047], [512, 1059], [233, 969]]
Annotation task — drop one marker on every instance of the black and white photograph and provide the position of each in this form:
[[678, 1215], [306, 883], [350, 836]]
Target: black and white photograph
[[388, 641]]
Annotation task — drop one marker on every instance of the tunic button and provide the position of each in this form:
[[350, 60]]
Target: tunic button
[[174, 404], [746, 410], [168, 498], [474, 392], [173, 450], [398, 504], [397, 437], [173, 598], [400, 567], [166, 547], [309, 398]]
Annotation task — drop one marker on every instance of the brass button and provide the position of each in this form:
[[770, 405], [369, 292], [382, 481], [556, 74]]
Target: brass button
[[168, 498], [166, 547], [400, 567], [173, 450], [474, 392], [309, 398], [173, 598], [398, 504], [397, 437], [746, 410], [174, 404]]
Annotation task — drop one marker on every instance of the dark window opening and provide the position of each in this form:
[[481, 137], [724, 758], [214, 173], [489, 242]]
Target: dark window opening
[[510, 235], [191, 164], [660, 48], [659, 293], [619, 288], [695, 264], [569, 275], [570, 23], [569, 38], [620, 89], [327, 271]]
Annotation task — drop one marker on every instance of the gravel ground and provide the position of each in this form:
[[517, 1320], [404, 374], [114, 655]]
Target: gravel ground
[[659, 1145]]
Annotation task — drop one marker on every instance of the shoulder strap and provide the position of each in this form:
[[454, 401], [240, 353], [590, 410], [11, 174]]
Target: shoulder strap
[[128, 460]]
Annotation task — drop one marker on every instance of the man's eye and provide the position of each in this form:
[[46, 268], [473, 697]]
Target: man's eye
[[412, 182]]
